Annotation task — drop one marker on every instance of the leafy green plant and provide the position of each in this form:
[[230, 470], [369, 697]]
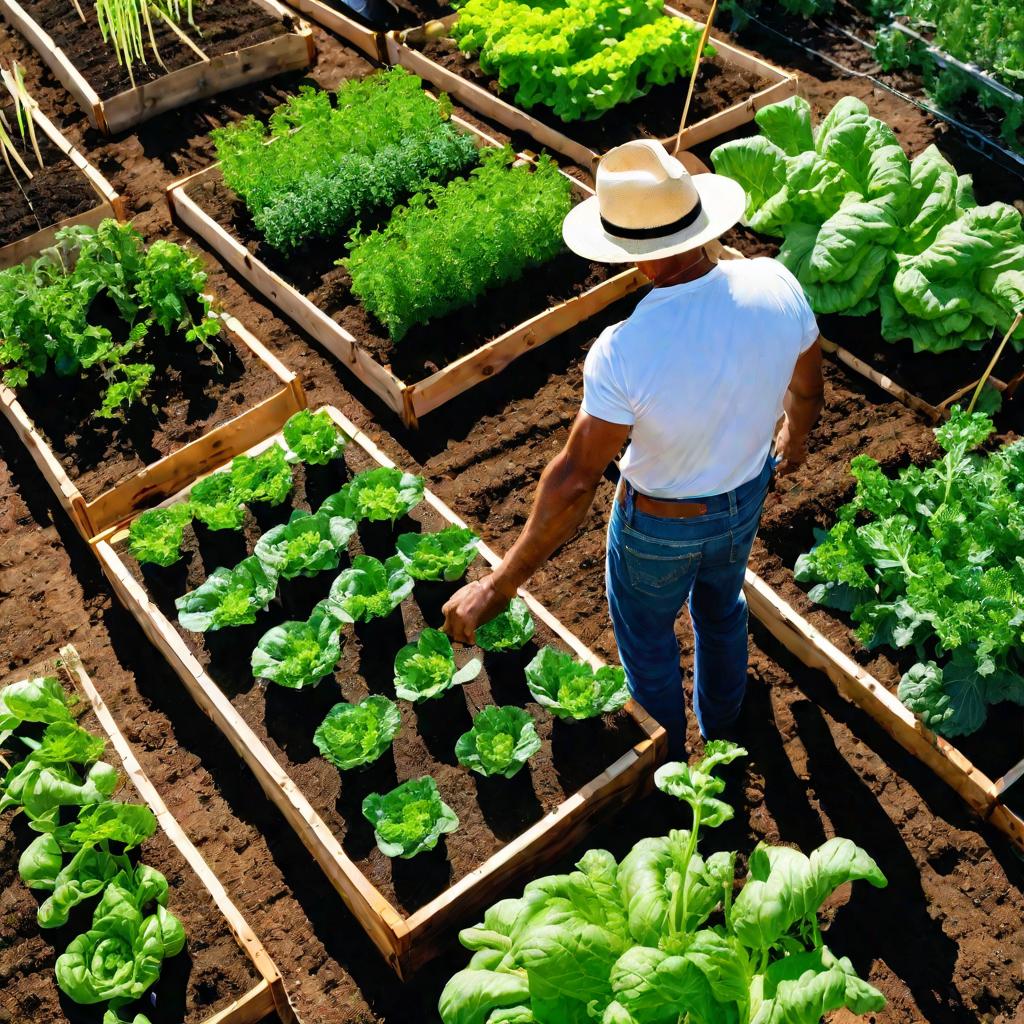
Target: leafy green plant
[[330, 167], [380, 495], [37, 699], [580, 57], [444, 555], [930, 559], [228, 597], [356, 734], [155, 537], [299, 654], [453, 243], [427, 669], [658, 937], [313, 438], [501, 741], [742, 10], [572, 689], [370, 589], [865, 228], [509, 631], [217, 502], [410, 819], [305, 545], [266, 477]]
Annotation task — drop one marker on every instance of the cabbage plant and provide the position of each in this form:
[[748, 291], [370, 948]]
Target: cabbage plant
[[501, 741], [410, 819], [266, 477], [356, 734], [426, 668], [299, 654], [383, 494], [313, 438], [370, 589], [156, 536], [509, 631], [444, 555], [305, 545], [572, 689], [228, 597]]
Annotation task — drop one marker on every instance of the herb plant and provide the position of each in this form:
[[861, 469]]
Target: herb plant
[[155, 537], [370, 589], [266, 477], [356, 734], [571, 689], [410, 819], [305, 545], [501, 741], [453, 243], [444, 555], [228, 597], [930, 559], [313, 438], [378, 495], [659, 937], [509, 631], [299, 654], [427, 669]]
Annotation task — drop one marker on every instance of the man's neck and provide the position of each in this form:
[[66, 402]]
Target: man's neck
[[689, 267]]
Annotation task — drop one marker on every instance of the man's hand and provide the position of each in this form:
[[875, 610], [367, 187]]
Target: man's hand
[[790, 448], [472, 606]]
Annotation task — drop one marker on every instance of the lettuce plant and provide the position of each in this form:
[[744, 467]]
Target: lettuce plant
[[659, 937], [313, 438], [217, 502], [38, 699], [379, 495], [356, 734], [501, 741], [155, 537], [509, 631], [370, 589], [426, 668], [410, 819], [305, 545], [228, 597], [444, 555], [572, 689], [299, 654], [266, 477]]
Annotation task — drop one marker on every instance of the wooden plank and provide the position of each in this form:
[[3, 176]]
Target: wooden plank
[[256, 1004], [1009, 823], [1014, 775], [364, 39]]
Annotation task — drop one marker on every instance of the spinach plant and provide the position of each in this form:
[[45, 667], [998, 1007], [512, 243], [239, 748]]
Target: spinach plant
[[228, 597], [509, 631], [444, 555], [410, 819], [356, 734], [572, 689], [427, 669], [501, 741]]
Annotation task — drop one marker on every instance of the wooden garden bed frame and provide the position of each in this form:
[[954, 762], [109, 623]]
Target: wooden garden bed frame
[[108, 202], [367, 40], [407, 943], [401, 49], [169, 474], [409, 400], [292, 51], [268, 996], [984, 795]]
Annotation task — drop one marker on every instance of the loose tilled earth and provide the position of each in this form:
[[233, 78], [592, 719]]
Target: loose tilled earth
[[945, 941]]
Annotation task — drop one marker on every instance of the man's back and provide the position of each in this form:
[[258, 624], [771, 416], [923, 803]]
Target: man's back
[[700, 371]]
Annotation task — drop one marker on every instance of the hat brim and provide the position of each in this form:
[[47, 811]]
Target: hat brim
[[722, 204]]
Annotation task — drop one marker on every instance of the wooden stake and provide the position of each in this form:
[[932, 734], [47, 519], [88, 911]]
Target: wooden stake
[[704, 36], [995, 359]]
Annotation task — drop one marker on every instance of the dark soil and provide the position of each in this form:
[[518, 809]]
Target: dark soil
[[190, 393], [220, 27], [428, 347], [54, 192], [209, 974]]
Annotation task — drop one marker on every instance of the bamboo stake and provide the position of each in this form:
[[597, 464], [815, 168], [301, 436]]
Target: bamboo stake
[[704, 36], [995, 359]]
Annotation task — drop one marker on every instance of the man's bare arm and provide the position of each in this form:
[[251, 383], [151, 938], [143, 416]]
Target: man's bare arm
[[564, 495], [803, 404]]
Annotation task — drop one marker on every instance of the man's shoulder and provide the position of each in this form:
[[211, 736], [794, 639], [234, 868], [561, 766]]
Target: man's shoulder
[[762, 275]]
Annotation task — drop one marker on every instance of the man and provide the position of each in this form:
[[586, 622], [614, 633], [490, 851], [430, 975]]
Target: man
[[708, 366]]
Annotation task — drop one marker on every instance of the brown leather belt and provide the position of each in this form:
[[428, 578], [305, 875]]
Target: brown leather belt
[[664, 509]]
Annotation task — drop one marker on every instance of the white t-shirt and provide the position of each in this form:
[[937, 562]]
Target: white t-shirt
[[700, 371]]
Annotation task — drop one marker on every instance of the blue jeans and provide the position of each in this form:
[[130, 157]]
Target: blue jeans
[[654, 565]]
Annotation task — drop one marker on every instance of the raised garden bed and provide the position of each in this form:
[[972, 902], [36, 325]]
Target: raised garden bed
[[507, 827], [224, 975], [67, 191], [342, 22], [731, 88], [435, 362], [243, 41]]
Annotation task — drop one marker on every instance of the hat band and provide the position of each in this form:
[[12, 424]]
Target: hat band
[[661, 231]]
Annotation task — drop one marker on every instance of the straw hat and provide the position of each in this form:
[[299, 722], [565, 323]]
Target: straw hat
[[648, 206]]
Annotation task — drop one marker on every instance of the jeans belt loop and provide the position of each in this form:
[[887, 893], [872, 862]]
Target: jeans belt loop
[[732, 504], [630, 502]]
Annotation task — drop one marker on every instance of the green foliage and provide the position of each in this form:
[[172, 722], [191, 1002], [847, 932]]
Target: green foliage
[[266, 477], [313, 438], [427, 669], [305, 545], [410, 819], [580, 58], [217, 502], [378, 495], [356, 734], [742, 10], [49, 319], [508, 631], [370, 589], [658, 938], [37, 699], [155, 537], [698, 786], [572, 689], [453, 243], [501, 741], [444, 555], [330, 167], [228, 597], [865, 228], [930, 558], [299, 654]]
